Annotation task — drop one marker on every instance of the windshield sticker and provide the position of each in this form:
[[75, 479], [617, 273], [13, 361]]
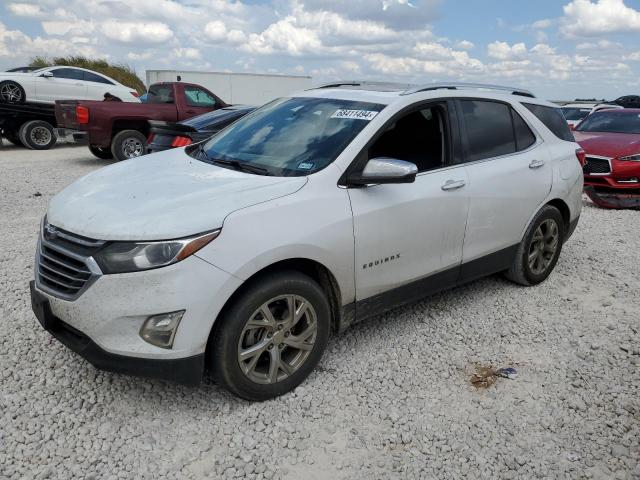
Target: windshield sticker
[[305, 166], [367, 115]]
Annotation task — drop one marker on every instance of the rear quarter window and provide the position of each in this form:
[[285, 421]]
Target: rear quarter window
[[553, 119]]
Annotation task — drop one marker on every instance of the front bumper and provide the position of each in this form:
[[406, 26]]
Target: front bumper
[[610, 198], [187, 371]]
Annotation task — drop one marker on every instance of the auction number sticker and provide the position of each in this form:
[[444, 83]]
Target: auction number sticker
[[355, 114]]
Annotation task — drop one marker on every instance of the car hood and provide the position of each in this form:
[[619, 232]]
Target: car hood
[[608, 144], [160, 196]]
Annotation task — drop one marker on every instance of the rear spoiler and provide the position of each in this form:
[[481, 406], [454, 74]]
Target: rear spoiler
[[161, 127]]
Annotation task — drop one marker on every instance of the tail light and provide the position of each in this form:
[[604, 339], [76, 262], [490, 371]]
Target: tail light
[[82, 114], [181, 142], [150, 138], [581, 155], [135, 94]]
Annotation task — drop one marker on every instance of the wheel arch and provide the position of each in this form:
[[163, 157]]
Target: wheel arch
[[314, 269], [562, 206]]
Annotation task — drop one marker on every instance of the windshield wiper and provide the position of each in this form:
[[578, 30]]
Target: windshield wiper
[[241, 166]]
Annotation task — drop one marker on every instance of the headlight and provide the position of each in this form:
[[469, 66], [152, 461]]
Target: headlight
[[123, 257], [631, 158]]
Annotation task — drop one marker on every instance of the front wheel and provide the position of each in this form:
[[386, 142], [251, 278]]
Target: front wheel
[[271, 337], [128, 144], [540, 248]]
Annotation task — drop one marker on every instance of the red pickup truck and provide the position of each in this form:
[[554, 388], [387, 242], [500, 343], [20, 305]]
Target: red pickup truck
[[119, 129]]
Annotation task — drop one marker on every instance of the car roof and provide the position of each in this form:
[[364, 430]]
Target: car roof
[[620, 111], [389, 93], [579, 105]]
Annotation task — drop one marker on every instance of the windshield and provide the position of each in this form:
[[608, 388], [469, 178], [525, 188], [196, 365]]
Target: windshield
[[612, 122], [571, 113], [292, 136]]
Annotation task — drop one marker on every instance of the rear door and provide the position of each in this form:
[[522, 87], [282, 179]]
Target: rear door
[[66, 84], [509, 177]]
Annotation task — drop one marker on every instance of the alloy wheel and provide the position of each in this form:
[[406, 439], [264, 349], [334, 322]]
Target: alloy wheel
[[543, 246], [132, 147], [10, 92], [277, 339]]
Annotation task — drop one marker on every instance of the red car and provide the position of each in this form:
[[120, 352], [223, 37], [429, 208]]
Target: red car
[[611, 140]]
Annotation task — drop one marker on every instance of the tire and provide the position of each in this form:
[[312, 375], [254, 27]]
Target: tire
[[543, 242], [233, 335], [11, 92], [38, 135], [13, 139], [101, 152], [128, 144]]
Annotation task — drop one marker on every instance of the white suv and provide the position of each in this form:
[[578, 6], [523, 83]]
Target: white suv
[[241, 254]]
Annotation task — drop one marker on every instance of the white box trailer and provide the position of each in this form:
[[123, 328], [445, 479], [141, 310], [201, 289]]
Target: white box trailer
[[236, 88]]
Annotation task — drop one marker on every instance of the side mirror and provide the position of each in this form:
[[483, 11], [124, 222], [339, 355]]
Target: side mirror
[[47, 75], [384, 170]]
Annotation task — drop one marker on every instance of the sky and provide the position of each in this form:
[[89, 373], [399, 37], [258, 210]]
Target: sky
[[559, 49]]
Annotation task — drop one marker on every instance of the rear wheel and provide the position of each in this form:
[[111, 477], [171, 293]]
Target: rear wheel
[[38, 135], [128, 144], [101, 152], [271, 337], [540, 248], [11, 92]]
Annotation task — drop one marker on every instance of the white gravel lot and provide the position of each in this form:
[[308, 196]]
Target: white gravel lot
[[391, 399]]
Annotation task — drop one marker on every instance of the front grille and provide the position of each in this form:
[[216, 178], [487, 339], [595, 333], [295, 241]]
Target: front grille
[[64, 264], [595, 165]]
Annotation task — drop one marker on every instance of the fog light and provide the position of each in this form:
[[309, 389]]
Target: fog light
[[160, 330]]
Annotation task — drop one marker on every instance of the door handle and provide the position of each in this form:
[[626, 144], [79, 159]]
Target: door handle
[[80, 84], [453, 184], [536, 163]]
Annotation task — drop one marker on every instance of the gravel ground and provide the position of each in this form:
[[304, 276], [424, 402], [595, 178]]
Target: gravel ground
[[391, 399]]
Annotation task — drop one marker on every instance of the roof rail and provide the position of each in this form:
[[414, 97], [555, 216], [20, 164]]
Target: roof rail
[[458, 85], [364, 83]]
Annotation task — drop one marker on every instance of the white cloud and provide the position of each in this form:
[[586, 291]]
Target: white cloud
[[542, 24], [62, 28], [28, 10], [188, 53], [504, 51], [584, 18], [216, 31], [131, 32], [465, 45]]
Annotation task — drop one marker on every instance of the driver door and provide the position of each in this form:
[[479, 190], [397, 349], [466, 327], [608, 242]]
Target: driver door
[[65, 84], [409, 237]]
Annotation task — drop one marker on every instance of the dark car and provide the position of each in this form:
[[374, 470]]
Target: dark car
[[22, 69], [166, 135], [628, 101]]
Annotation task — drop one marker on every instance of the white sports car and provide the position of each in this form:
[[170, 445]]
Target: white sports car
[[46, 85]]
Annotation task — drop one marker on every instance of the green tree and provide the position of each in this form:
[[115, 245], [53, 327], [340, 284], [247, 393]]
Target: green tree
[[119, 72]]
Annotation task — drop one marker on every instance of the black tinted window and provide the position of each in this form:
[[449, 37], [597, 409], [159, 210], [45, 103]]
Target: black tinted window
[[92, 77], [160, 94], [489, 129], [524, 136], [70, 73], [417, 137], [553, 119]]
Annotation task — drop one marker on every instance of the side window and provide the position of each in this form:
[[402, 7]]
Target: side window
[[196, 97], [489, 129], [417, 137], [160, 94], [92, 77], [68, 73], [524, 136], [553, 119]]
